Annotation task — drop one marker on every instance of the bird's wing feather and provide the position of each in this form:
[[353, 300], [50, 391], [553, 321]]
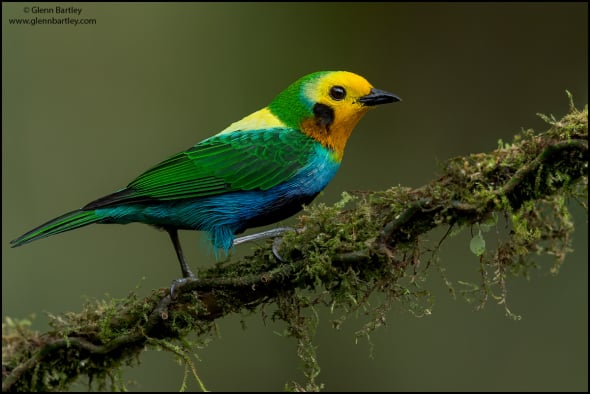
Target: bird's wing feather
[[243, 160]]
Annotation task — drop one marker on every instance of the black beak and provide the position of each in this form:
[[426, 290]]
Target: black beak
[[377, 96]]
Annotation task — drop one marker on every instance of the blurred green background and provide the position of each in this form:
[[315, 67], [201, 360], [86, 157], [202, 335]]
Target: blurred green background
[[87, 108]]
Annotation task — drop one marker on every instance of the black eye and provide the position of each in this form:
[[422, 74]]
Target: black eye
[[337, 93]]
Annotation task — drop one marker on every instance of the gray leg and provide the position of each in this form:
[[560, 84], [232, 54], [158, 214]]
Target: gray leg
[[186, 271], [274, 233]]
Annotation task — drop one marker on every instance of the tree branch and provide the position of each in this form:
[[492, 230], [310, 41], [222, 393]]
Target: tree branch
[[368, 242]]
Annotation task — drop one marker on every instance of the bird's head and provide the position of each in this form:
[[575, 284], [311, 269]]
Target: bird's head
[[327, 105]]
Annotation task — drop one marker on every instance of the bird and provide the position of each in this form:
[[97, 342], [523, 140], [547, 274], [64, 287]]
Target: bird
[[257, 171]]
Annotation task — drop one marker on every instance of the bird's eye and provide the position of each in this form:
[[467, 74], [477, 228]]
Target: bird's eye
[[337, 93]]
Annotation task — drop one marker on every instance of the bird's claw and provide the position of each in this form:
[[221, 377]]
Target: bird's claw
[[179, 283], [274, 233], [275, 249]]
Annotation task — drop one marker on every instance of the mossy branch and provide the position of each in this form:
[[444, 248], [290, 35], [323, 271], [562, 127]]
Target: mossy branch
[[369, 242]]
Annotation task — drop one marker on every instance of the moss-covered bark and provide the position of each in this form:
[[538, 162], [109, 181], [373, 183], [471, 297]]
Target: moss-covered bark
[[369, 242]]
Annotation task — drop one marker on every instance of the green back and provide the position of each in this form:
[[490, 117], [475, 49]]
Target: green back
[[244, 160]]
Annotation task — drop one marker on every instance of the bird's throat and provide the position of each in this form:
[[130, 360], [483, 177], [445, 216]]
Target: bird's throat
[[333, 136]]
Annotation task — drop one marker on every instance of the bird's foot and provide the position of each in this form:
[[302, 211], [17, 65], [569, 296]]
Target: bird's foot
[[275, 249], [179, 283], [274, 233]]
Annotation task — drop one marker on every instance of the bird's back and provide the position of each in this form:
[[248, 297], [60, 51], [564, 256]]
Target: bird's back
[[226, 184]]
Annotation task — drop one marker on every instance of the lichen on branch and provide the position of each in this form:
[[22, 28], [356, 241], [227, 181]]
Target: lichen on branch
[[370, 243]]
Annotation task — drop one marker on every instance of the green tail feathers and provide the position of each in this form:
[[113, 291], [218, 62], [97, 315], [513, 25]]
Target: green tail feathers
[[69, 221]]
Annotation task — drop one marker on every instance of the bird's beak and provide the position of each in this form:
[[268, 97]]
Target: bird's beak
[[377, 96]]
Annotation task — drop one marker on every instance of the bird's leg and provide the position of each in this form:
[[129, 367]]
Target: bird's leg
[[187, 274], [186, 271], [274, 233]]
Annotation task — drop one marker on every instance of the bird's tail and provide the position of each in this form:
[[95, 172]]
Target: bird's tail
[[67, 222]]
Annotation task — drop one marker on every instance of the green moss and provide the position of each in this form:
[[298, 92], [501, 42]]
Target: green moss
[[359, 257]]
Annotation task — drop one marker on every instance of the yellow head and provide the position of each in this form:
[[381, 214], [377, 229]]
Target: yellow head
[[327, 105]]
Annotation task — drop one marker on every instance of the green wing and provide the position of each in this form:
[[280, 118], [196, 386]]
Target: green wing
[[242, 160]]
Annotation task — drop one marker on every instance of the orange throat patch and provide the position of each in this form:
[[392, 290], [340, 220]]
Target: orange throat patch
[[334, 136]]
